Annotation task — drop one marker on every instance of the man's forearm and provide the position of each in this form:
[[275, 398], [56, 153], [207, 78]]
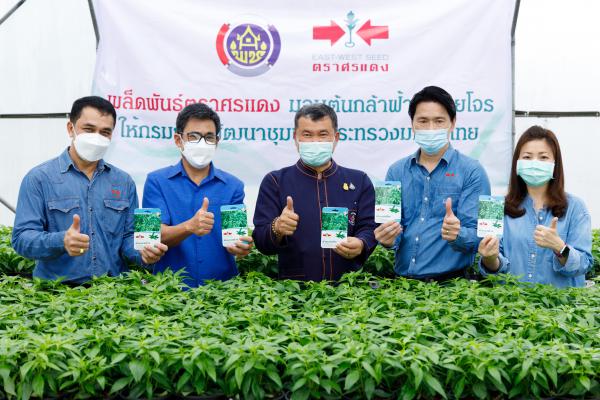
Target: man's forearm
[[173, 235]]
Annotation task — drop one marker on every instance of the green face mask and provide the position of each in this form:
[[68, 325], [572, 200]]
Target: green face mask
[[534, 172], [315, 154]]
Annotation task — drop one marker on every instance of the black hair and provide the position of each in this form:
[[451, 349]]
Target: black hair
[[315, 112], [433, 94], [104, 106], [197, 111]]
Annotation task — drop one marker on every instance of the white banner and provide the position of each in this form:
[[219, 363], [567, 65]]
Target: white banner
[[256, 63]]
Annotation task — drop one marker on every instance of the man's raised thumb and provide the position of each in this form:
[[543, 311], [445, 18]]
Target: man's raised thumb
[[449, 212], [75, 224], [205, 204], [290, 203]]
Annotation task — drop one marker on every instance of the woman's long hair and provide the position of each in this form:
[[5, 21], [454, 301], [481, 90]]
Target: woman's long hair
[[556, 198]]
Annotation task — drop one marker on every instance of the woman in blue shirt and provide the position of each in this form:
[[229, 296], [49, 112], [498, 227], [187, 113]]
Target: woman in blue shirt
[[547, 232]]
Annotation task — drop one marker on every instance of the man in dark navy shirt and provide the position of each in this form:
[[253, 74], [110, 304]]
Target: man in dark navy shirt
[[287, 219]]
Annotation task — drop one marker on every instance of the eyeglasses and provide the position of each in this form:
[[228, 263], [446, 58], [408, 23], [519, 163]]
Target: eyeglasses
[[196, 137]]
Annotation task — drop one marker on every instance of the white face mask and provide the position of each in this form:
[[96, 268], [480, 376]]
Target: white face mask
[[200, 154], [91, 147]]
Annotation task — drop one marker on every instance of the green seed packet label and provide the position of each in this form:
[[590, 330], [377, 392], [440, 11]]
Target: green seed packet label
[[490, 220], [234, 223], [334, 226], [388, 201], [146, 227]]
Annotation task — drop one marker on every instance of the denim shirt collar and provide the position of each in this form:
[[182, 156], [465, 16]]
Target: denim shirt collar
[[65, 161], [529, 205], [447, 156]]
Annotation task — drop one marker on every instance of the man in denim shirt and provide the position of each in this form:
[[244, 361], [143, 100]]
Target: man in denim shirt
[[75, 212], [437, 237]]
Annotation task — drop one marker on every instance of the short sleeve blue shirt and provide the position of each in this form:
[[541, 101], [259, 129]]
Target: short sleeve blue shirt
[[179, 198]]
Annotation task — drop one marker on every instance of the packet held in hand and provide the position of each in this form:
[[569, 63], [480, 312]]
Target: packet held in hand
[[146, 223], [490, 220], [234, 223], [334, 226], [388, 201]]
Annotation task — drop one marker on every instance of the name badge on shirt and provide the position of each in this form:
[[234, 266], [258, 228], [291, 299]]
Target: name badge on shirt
[[334, 226], [490, 220], [234, 223], [388, 201], [146, 227]]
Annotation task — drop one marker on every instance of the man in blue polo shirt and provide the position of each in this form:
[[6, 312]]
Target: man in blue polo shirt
[[190, 195], [437, 237]]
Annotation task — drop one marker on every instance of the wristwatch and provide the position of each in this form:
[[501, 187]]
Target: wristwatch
[[564, 253]]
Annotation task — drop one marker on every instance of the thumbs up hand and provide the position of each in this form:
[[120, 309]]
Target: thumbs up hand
[[76, 243], [450, 224], [287, 222], [547, 236], [202, 222]]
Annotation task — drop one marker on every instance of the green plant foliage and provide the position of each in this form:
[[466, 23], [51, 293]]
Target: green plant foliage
[[10, 262], [380, 263], [234, 219], [388, 195], [142, 336], [334, 221], [490, 209], [257, 262], [595, 271], [147, 223]]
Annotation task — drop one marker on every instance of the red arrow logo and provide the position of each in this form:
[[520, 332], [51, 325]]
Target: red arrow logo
[[368, 32], [333, 32]]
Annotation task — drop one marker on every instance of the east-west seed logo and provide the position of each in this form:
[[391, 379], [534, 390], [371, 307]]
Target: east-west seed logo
[[353, 57], [248, 49], [366, 32]]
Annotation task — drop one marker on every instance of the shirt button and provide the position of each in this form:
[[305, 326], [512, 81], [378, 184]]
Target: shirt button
[[428, 178], [90, 209], [533, 256], [422, 219], [413, 260], [94, 258], [530, 275], [417, 239], [425, 198], [541, 218]]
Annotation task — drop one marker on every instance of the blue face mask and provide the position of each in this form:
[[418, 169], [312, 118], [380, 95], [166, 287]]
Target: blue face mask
[[315, 154], [534, 172], [431, 141]]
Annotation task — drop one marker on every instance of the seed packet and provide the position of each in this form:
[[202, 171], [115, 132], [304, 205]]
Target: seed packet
[[146, 223], [334, 226], [490, 220], [234, 223], [388, 201]]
